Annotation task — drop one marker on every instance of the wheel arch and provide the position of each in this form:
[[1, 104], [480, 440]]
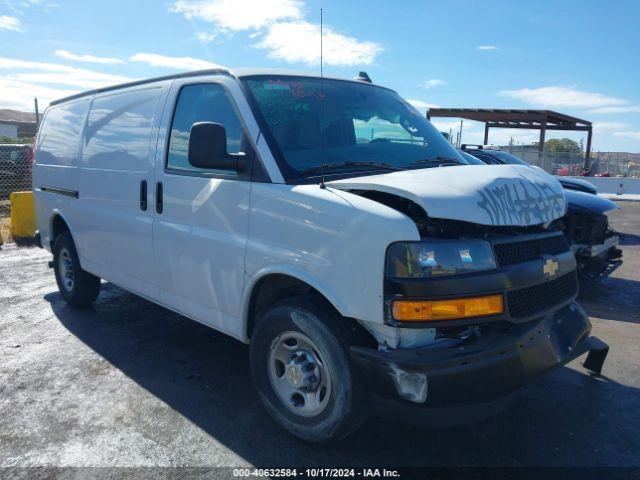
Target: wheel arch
[[59, 223], [274, 284]]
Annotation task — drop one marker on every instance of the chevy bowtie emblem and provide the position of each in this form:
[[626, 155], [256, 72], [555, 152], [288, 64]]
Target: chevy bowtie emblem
[[550, 267]]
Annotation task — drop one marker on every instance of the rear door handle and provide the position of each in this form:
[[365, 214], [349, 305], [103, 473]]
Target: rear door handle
[[159, 195], [143, 195]]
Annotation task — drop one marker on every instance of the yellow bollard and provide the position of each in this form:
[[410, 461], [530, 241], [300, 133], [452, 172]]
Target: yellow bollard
[[23, 215]]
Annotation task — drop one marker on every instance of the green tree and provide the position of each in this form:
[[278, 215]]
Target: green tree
[[22, 140], [562, 145]]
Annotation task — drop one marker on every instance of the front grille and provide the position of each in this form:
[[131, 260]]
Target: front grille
[[528, 301], [527, 250]]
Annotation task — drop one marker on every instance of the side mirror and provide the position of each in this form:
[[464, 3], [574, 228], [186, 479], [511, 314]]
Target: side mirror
[[208, 148]]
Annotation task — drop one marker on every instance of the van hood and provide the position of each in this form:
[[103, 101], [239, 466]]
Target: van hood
[[500, 195]]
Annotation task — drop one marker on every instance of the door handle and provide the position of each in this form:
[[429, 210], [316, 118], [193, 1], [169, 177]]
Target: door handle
[[143, 195], [159, 195]]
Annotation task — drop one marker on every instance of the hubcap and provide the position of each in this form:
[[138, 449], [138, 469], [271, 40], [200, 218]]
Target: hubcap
[[65, 267], [299, 374]]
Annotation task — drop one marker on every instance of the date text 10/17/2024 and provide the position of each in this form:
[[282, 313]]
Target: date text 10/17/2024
[[316, 472]]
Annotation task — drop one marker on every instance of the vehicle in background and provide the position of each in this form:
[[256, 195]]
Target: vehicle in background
[[16, 162], [317, 220], [493, 156], [592, 239], [578, 185], [585, 224], [470, 159]]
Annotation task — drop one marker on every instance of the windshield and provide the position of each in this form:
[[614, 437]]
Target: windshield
[[364, 128]]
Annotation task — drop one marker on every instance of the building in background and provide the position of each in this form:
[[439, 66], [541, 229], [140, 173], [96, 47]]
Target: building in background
[[16, 124]]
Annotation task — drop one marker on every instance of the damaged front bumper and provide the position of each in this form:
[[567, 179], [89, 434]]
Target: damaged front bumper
[[598, 261], [465, 382]]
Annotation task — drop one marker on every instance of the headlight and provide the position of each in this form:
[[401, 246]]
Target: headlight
[[436, 258]]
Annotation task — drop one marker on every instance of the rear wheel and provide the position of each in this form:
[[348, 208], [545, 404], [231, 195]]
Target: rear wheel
[[301, 369], [78, 287]]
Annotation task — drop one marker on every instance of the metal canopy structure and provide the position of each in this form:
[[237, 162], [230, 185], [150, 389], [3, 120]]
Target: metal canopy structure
[[542, 120]]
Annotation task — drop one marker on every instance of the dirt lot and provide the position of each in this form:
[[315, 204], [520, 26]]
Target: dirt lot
[[128, 383]]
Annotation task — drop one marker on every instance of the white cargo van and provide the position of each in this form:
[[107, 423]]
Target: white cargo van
[[326, 223]]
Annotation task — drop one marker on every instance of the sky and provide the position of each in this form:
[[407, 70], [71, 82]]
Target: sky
[[575, 57]]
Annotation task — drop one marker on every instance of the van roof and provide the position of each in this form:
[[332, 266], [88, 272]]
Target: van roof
[[242, 72], [213, 71]]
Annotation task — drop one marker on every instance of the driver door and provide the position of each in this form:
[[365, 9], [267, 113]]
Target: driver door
[[202, 215]]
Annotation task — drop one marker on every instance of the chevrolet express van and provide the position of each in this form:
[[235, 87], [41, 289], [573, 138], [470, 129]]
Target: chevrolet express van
[[320, 221]]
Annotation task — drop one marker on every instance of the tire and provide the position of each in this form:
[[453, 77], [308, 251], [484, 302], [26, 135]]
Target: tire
[[286, 328], [78, 287]]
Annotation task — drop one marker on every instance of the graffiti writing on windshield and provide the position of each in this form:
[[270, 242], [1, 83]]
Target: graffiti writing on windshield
[[521, 203]]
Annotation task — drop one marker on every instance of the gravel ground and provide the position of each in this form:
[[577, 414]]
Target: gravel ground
[[129, 383]]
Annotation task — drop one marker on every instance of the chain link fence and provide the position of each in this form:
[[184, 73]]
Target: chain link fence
[[617, 164], [564, 163], [16, 163], [553, 162]]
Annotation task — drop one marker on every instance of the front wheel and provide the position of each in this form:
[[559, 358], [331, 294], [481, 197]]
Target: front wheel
[[78, 287], [301, 369]]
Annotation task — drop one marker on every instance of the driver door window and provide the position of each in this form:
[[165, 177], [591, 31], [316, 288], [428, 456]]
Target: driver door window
[[207, 102]]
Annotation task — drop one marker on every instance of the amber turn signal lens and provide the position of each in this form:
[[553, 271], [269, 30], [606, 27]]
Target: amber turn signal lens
[[432, 310]]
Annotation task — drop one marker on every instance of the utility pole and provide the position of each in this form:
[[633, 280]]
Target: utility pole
[[37, 113], [460, 134]]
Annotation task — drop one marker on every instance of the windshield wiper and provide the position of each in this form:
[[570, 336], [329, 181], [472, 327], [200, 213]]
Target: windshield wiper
[[438, 161], [330, 166]]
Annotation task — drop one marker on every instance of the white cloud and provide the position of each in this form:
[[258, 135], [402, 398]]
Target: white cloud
[[487, 47], [205, 37], [19, 95], [620, 109], [427, 84], [282, 30], [83, 79], [422, 105], [446, 125], [10, 23], [299, 42], [19, 7], [87, 58], [238, 15], [602, 127], [563, 97], [40, 3], [22, 80], [57, 74], [628, 134], [178, 63]]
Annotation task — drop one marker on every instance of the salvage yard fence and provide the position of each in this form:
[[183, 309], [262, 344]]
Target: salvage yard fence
[[612, 164], [16, 163]]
